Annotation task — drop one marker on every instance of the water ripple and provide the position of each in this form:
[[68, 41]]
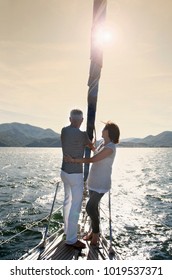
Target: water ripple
[[141, 200]]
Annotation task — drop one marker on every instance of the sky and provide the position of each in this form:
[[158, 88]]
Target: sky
[[45, 58]]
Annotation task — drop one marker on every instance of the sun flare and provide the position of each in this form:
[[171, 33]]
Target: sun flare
[[103, 36]]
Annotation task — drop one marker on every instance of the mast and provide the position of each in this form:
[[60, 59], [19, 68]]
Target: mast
[[96, 56]]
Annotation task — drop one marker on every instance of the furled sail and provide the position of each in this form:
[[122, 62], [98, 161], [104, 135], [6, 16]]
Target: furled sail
[[99, 13]]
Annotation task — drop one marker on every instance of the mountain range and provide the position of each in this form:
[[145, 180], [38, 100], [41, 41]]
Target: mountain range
[[164, 139], [25, 135]]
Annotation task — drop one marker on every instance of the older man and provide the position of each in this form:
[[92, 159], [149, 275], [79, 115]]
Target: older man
[[73, 143]]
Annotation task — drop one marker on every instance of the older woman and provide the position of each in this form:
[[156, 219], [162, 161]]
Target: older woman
[[99, 179]]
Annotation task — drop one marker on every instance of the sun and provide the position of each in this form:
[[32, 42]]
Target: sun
[[102, 36]]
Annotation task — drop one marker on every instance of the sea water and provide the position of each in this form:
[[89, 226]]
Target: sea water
[[141, 201]]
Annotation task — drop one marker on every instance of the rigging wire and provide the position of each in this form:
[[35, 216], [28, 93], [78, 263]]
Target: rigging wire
[[50, 215], [36, 223], [29, 227]]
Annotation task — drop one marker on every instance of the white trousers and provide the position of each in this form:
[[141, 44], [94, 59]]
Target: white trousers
[[73, 192]]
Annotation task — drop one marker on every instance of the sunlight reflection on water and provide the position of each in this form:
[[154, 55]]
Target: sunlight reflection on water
[[141, 198]]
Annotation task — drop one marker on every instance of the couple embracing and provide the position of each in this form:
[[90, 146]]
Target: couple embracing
[[74, 142]]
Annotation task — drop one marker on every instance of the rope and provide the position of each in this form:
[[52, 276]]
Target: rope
[[36, 223]]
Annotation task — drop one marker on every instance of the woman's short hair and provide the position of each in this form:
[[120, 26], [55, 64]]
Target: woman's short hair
[[113, 131]]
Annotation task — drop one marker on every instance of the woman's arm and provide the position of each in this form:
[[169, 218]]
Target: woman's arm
[[91, 146], [101, 155]]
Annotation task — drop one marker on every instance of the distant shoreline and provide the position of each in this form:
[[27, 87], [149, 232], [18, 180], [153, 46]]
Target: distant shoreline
[[25, 135]]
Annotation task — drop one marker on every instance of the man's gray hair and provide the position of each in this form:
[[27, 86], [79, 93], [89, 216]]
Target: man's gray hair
[[76, 114]]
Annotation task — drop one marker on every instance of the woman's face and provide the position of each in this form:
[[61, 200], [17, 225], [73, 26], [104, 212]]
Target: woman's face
[[105, 133]]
